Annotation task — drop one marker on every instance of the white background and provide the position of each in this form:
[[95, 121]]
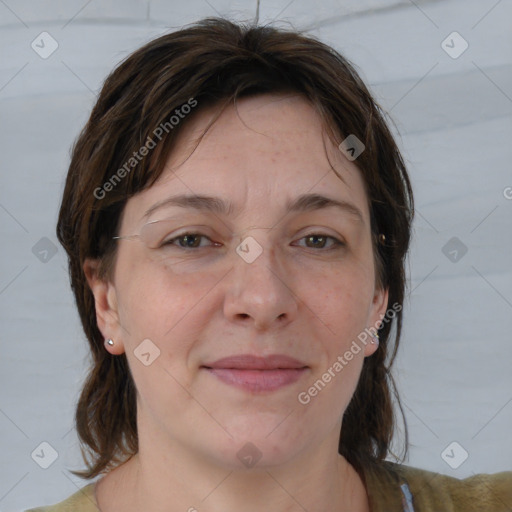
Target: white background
[[453, 122]]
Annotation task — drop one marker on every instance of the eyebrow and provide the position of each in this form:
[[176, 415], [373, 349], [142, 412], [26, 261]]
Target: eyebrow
[[302, 203]]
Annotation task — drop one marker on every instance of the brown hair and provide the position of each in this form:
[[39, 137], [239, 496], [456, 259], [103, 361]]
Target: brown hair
[[214, 62]]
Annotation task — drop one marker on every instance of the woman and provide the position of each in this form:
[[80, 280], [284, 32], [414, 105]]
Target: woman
[[236, 216]]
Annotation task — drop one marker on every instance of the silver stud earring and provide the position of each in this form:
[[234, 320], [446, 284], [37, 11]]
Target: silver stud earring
[[375, 339], [110, 342]]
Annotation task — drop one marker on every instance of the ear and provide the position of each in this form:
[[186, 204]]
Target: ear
[[377, 312], [105, 302]]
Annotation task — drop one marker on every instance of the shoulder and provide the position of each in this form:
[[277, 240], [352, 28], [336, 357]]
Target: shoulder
[[432, 491], [489, 492], [81, 501]]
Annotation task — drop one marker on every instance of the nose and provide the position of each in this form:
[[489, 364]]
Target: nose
[[260, 291]]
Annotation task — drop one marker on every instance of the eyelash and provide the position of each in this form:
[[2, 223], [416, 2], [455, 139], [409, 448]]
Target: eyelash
[[336, 245]]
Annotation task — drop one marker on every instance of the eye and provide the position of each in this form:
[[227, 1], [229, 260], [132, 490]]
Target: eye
[[188, 241], [319, 240], [195, 241]]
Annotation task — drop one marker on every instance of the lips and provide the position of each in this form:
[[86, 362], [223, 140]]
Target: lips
[[249, 362], [257, 374]]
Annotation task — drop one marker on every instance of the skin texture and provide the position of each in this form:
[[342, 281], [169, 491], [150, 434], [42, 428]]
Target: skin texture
[[306, 298]]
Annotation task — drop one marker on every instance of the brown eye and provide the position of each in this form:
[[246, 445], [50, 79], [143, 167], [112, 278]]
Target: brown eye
[[190, 240], [319, 241], [187, 241]]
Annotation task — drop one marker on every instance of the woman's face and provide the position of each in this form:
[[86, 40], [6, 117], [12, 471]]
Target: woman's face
[[262, 280]]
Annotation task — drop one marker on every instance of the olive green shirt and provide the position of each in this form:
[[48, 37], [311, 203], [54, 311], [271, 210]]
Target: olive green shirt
[[391, 488]]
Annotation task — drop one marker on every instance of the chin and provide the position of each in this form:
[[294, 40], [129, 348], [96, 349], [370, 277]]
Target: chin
[[259, 444]]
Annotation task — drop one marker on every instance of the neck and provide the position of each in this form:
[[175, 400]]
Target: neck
[[176, 479]]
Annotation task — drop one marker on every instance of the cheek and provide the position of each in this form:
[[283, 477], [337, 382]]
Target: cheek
[[154, 300], [159, 307], [342, 299]]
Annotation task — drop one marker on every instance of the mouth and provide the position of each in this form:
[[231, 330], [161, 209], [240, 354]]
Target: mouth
[[257, 374]]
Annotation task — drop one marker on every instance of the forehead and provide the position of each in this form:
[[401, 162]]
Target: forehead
[[260, 155]]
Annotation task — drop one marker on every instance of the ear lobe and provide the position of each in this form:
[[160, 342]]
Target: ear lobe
[[105, 302]]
